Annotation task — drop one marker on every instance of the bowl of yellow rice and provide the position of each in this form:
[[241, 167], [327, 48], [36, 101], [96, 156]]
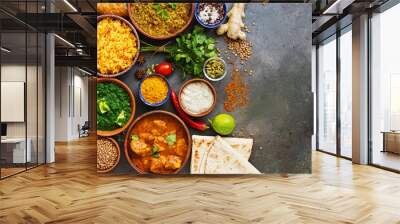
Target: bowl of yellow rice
[[117, 45]]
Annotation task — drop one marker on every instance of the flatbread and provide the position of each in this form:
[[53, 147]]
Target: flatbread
[[201, 144], [221, 158], [241, 145]]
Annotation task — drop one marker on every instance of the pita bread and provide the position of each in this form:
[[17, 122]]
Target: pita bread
[[241, 145], [221, 158], [201, 144]]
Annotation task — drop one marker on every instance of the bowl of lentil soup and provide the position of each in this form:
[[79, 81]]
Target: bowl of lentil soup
[[161, 21], [117, 51], [154, 90]]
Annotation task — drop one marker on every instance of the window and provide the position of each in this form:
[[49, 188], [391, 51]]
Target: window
[[327, 96], [22, 75], [346, 93], [385, 89]]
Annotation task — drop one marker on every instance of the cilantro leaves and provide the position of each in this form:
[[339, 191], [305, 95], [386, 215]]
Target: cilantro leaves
[[171, 139], [161, 11], [189, 52]]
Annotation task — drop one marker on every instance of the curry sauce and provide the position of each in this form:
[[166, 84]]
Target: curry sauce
[[159, 144]]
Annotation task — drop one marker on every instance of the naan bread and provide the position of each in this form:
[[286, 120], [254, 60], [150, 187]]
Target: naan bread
[[241, 145], [201, 144], [221, 158]]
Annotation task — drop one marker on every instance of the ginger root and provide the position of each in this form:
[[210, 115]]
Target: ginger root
[[233, 27]]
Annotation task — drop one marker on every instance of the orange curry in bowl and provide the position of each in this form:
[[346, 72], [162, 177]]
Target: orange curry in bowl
[[159, 144]]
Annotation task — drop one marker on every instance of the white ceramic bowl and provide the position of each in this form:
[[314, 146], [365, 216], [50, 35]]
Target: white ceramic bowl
[[205, 71]]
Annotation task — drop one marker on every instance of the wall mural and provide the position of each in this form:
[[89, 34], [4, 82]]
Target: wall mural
[[207, 88]]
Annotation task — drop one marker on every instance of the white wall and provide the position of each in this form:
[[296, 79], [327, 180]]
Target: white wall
[[61, 104], [70, 83], [16, 73], [34, 125]]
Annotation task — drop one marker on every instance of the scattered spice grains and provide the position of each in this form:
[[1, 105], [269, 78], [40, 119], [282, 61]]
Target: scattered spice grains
[[141, 60], [139, 74], [246, 29], [107, 154], [237, 92], [240, 48]]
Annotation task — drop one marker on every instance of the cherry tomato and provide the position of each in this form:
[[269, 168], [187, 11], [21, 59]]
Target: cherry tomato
[[164, 68]]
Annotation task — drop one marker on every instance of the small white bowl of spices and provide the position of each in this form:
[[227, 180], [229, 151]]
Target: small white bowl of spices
[[197, 97], [214, 69]]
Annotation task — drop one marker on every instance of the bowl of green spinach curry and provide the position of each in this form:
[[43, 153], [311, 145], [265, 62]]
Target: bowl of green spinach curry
[[115, 106]]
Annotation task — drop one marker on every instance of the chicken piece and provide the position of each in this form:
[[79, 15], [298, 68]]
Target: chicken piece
[[160, 124], [181, 147], [140, 148], [146, 161], [173, 162], [160, 140], [148, 138], [155, 132], [157, 164]]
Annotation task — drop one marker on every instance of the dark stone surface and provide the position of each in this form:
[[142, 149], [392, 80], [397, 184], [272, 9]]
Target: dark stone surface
[[279, 115]]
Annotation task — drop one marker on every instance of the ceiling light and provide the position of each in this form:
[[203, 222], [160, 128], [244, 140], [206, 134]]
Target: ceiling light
[[70, 5], [65, 41], [84, 71], [5, 50]]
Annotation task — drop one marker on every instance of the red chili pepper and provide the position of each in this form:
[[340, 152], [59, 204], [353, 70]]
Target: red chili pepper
[[199, 125]]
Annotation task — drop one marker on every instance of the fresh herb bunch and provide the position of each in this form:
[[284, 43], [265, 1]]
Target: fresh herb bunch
[[113, 106], [189, 52]]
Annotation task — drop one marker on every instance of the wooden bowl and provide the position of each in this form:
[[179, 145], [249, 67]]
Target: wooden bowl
[[214, 92], [161, 37], [118, 155], [137, 44], [133, 107], [129, 153]]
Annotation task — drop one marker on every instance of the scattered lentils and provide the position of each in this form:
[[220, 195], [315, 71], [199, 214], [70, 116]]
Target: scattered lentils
[[246, 29], [240, 48]]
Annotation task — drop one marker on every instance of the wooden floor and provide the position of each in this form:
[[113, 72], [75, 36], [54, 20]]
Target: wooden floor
[[70, 191], [387, 159]]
